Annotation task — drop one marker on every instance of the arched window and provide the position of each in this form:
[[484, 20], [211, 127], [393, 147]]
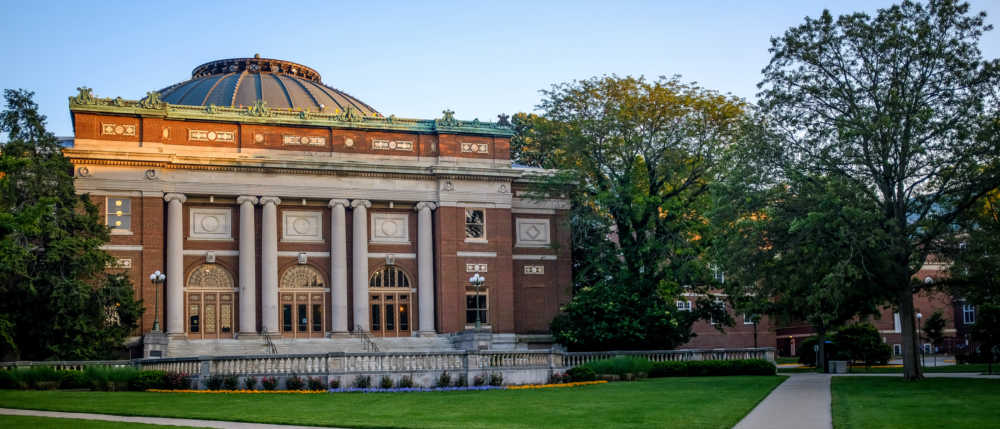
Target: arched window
[[389, 276], [210, 276], [302, 276]]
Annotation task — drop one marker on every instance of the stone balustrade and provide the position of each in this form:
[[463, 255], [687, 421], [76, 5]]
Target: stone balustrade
[[517, 367]]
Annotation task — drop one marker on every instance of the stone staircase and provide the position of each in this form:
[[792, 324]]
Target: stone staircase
[[259, 346]]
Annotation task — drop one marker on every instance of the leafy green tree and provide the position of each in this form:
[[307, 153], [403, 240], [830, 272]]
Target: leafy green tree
[[639, 156], [933, 330], [57, 300], [902, 105], [862, 342], [974, 253], [986, 332]]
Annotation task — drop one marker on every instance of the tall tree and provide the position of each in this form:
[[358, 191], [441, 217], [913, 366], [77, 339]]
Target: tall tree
[[57, 300], [900, 104], [974, 253], [639, 155]]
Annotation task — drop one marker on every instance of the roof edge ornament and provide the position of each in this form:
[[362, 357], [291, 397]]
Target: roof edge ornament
[[255, 65]]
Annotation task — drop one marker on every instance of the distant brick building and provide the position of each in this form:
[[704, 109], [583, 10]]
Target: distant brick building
[[279, 206]]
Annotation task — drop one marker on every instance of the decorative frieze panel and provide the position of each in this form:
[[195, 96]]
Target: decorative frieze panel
[[392, 145], [117, 129], [211, 224], [475, 268], [475, 147], [390, 228], [532, 232], [120, 263], [303, 140], [302, 226], [212, 136], [534, 269]]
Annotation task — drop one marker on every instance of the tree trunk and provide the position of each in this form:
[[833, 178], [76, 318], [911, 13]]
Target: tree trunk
[[907, 318], [821, 352]]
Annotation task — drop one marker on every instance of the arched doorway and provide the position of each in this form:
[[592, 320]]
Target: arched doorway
[[390, 300], [211, 302], [302, 294]]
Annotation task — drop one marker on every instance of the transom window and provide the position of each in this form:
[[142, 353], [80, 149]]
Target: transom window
[[475, 224], [119, 214], [302, 276], [389, 276], [968, 314]]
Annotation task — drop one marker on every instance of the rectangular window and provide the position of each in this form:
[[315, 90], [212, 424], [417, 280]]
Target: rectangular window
[[476, 305], [390, 313], [475, 224], [119, 214], [968, 314], [720, 305], [748, 319], [718, 275], [195, 320], [684, 305], [404, 316], [226, 318], [376, 318], [286, 317], [897, 349], [317, 317], [303, 318]]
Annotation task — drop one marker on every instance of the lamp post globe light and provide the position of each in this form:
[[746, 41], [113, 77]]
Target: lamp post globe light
[[157, 278], [477, 281]]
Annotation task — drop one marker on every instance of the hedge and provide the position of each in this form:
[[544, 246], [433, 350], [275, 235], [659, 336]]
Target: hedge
[[95, 378], [697, 368]]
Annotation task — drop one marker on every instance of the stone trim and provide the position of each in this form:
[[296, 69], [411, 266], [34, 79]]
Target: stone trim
[[535, 257], [122, 248], [462, 254]]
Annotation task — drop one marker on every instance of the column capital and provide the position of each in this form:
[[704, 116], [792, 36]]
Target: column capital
[[272, 200], [175, 196], [425, 205], [357, 203], [339, 202], [246, 199]]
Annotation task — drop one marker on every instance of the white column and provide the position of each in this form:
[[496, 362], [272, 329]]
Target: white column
[[425, 266], [269, 264], [175, 263], [338, 261], [360, 264], [248, 266]]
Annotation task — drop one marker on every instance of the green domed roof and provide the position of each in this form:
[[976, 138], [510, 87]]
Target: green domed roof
[[281, 84]]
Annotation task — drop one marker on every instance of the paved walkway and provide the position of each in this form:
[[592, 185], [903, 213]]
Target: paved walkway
[[149, 420], [801, 402]]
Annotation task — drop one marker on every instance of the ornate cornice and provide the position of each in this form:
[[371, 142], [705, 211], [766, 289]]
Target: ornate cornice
[[260, 113]]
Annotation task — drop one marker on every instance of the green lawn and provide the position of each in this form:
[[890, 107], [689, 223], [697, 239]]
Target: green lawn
[[977, 368], [889, 402], [25, 422], [698, 402]]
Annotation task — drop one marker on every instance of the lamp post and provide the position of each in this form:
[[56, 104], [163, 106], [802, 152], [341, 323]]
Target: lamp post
[[157, 278], [477, 281], [923, 358]]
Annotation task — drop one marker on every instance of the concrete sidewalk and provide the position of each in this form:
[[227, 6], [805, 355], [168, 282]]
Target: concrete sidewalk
[[149, 420], [801, 402]]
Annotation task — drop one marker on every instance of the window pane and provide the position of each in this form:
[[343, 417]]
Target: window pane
[[317, 317], [120, 204], [390, 317], [226, 317], [303, 318], [404, 317], [195, 320], [286, 317], [116, 221], [209, 318], [474, 223], [470, 317], [376, 318]]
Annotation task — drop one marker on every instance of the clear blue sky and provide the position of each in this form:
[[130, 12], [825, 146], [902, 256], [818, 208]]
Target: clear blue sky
[[411, 59]]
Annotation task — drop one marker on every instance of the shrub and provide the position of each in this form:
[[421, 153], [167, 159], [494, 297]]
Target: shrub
[[582, 373], [462, 381], [9, 379], [72, 379], [405, 381], [294, 383], [496, 379], [174, 380], [250, 383], [620, 366], [317, 383], [557, 378], [335, 383], [109, 378], [214, 382], [363, 381], [230, 382], [478, 380], [269, 383], [385, 382], [697, 368], [147, 380], [444, 380]]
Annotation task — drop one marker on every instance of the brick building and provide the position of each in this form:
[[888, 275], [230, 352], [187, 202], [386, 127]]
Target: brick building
[[289, 216]]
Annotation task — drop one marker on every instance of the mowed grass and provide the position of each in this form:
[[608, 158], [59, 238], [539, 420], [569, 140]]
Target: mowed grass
[[27, 422], [976, 368], [697, 402], [890, 402]]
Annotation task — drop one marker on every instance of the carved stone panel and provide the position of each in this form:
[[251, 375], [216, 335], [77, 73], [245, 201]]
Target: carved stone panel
[[475, 147], [302, 226], [532, 232], [390, 228], [211, 224]]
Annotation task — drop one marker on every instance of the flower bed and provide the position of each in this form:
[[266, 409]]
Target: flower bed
[[235, 392], [546, 386]]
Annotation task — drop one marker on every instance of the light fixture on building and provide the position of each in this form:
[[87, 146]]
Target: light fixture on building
[[157, 278]]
